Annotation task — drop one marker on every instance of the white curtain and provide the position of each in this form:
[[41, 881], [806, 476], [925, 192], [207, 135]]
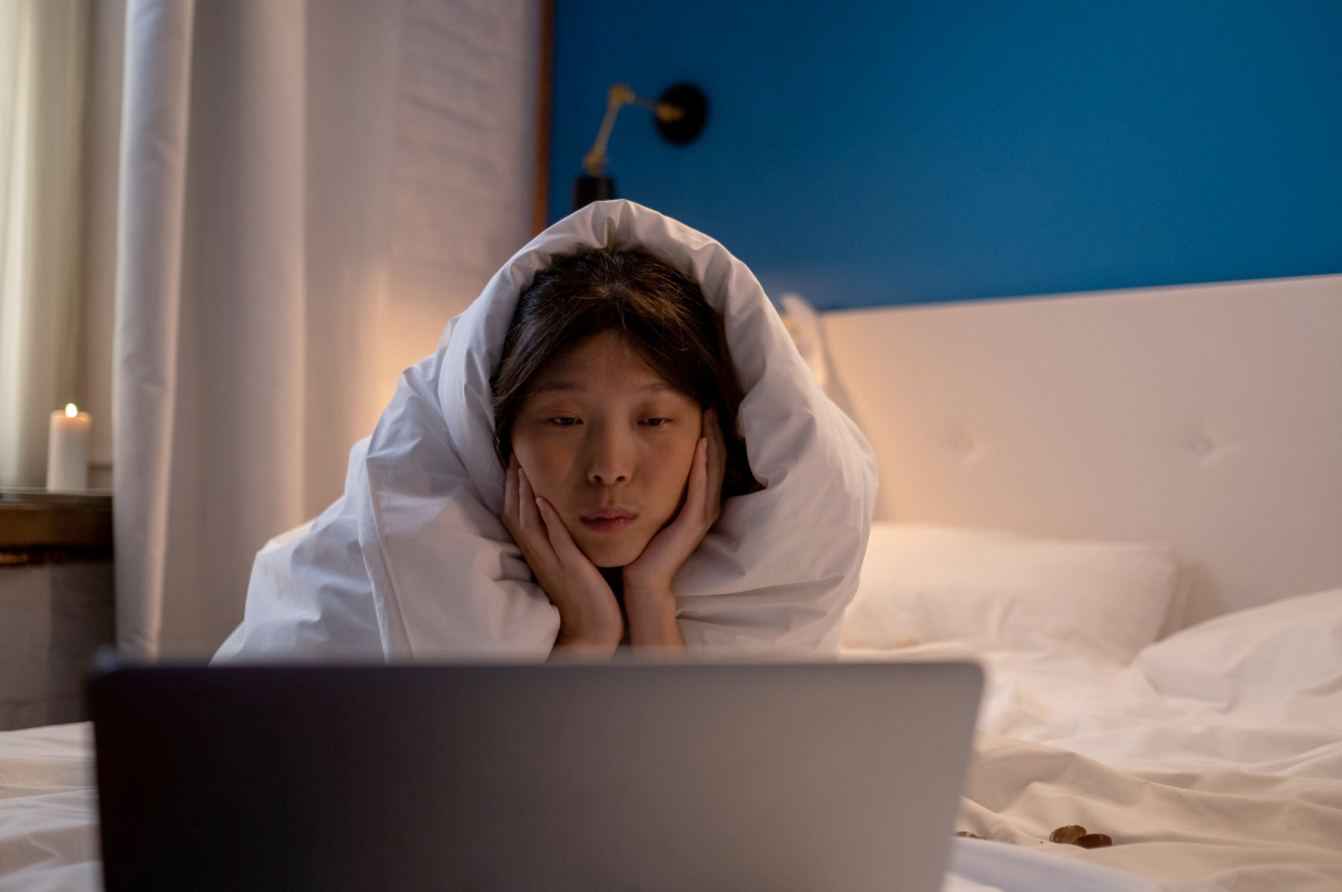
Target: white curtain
[[43, 51], [232, 262], [269, 287]]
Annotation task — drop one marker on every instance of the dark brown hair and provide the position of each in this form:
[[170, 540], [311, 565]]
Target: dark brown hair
[[659, 311]]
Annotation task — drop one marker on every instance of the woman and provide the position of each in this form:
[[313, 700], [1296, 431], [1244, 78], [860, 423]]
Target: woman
[[614, 407], [520, 485]]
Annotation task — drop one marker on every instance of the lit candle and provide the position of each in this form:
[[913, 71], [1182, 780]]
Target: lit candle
[[68, 451]]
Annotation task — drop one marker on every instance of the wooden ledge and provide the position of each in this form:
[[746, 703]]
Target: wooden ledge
[[41, 527]]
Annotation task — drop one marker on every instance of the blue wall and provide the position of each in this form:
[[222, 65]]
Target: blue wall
[[927, 150]]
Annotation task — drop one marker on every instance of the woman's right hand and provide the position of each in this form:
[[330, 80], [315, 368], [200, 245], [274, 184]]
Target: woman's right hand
[[589, 615]]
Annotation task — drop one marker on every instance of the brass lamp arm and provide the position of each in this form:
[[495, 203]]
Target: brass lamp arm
[[621, 95]]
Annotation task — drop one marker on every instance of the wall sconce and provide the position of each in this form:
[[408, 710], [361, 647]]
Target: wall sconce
[[681, 113]]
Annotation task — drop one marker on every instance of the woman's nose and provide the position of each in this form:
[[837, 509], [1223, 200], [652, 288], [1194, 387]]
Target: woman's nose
[[610, 456]]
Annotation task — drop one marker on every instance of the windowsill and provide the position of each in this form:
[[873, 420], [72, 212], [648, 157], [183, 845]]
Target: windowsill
[[40, 527]]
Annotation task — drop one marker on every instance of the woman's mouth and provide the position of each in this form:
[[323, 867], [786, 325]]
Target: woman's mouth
[[608, 520]]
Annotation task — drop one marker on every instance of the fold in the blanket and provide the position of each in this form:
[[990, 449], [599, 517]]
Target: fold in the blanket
[[1192, 830], [413, 563]]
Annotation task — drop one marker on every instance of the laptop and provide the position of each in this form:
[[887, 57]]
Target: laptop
[[625, 776]]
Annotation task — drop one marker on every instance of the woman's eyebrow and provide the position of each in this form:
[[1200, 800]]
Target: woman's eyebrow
[[561, 385], [548, 386]]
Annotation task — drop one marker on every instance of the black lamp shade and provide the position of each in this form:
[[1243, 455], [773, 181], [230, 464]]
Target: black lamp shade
[[587, 189]]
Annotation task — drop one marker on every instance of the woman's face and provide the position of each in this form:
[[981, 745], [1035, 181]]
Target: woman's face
[[609, 444]]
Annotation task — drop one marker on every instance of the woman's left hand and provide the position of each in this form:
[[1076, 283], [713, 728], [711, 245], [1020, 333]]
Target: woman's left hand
[[650, 573]]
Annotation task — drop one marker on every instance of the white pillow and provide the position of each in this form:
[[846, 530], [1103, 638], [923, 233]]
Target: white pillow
[[928, 583]]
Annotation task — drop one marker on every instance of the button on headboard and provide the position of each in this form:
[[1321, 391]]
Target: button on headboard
[[1208, 417]]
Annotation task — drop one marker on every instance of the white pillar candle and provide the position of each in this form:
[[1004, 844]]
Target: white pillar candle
[[68, 451]]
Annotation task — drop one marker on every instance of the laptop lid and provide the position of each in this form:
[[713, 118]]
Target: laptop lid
[[705, 776]]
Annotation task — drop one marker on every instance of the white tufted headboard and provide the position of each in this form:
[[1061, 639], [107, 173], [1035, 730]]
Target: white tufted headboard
[[1208, 417]]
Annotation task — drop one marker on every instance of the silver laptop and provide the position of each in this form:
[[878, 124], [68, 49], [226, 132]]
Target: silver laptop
[[687, 776]]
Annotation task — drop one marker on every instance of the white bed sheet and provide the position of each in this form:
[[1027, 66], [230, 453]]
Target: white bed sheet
[[48, 810], [1214, 762]]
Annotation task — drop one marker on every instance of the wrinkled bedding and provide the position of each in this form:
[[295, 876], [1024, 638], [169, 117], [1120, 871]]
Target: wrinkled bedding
[[48, 810], [1214, 761]]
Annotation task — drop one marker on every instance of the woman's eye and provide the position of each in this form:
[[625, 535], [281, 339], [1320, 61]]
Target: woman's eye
[[564, 421], [655, 422]]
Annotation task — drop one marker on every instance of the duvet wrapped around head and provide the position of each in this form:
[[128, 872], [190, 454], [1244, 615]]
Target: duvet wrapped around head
[[414, 562]]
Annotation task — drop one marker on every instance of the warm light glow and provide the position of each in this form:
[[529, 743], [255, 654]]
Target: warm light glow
[[70, 410]]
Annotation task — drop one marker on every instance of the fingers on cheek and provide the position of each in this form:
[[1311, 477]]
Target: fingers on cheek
[[526, 500], [697, 485]]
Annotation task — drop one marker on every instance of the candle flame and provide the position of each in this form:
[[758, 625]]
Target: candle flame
[[70, 410]]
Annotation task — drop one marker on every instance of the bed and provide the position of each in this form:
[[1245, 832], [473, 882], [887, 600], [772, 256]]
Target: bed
[[1128, 507], [1162, 628]]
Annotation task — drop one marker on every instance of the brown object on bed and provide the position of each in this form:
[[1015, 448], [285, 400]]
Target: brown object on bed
[[1076, 835], [1094, 841], [968, 834], [1068, 835]]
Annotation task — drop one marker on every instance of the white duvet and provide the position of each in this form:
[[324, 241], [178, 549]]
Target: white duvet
[[413, 563], [1214, 762]]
